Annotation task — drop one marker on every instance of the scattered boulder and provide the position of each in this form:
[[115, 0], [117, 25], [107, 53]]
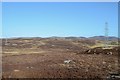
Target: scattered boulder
[[100, 50], [67, 61], [29, 67], [16, 70]]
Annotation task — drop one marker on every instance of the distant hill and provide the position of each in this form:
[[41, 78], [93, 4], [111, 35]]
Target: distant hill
[[103, 38], [111, 38], [71, 38]]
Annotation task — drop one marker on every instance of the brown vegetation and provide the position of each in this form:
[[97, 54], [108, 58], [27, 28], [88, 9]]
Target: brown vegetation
[[45, 58]]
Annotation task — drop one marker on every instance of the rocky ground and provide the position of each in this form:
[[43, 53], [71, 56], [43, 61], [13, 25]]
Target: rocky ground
[[57, 58]]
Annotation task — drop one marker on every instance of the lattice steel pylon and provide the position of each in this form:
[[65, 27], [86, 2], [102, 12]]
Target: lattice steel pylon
[[106, 35]]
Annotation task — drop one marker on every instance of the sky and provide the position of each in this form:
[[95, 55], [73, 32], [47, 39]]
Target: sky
[[62, 19]]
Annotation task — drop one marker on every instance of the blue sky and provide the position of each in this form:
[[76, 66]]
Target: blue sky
[[40, 19]]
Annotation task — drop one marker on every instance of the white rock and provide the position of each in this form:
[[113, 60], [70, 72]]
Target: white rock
[[111, 53], [29, 67], [67, 61], [16, 70], [104, 62], [89, 51], [67, 49], [53, 45]]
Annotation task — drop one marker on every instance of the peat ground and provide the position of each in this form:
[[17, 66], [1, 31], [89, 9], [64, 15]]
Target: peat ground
[[51, 58]]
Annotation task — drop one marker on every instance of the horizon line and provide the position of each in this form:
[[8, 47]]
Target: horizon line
[[55, 36]]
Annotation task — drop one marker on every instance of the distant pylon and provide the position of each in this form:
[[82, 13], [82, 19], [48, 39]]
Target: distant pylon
[[106, 34]]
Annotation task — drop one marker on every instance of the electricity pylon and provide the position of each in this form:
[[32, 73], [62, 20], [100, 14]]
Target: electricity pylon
[[106, 35]]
